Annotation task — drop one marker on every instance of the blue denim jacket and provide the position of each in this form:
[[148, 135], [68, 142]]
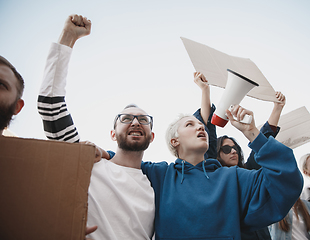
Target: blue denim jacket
[[275, 231]]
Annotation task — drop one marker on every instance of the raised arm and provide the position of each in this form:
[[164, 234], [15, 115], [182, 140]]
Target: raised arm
[[277, 109], [57, 121], [270, 128], [204, 114], [202, 82], [269, 193]]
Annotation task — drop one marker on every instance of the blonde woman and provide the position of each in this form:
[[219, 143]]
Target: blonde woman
[[197, 198], [305, 168]]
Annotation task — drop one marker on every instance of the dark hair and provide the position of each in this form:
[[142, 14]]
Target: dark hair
[[300, 207], [220, 141], [128, 106], [20, 86]]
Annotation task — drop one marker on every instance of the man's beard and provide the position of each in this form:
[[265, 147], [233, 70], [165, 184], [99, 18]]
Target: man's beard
[[133, 146], [6, 114]]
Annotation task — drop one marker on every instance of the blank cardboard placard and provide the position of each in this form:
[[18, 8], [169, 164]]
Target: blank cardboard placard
[[295, 128], [214, 64], [44, 187]]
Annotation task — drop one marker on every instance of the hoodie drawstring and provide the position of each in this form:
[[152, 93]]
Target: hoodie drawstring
[[204, 170], [203, 166], [182, 172]]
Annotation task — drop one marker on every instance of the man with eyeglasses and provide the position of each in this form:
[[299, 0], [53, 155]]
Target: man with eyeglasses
[[121, 199], [134, 134]]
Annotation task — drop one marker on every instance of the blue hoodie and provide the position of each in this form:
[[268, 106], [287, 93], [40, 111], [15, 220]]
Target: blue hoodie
[[208, 201]]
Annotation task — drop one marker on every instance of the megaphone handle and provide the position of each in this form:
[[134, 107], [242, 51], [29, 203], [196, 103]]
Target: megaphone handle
[[247, 119]]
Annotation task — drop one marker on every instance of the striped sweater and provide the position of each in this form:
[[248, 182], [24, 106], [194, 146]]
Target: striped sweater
[[57, 121]]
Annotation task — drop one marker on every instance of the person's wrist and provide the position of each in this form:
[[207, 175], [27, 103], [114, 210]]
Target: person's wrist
[[67, 38], [251, 134], [205, 90]]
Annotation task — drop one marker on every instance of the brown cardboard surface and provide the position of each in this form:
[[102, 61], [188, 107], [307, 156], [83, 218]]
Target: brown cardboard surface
[[43, 188], [214, 64]]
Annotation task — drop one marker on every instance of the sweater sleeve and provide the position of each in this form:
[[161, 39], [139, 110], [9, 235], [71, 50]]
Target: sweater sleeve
[[268, 194], [267, 131], [156, 173], [57, 121], [211, 130]]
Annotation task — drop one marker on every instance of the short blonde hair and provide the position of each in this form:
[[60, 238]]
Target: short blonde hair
[[303, 161], [172, 132]]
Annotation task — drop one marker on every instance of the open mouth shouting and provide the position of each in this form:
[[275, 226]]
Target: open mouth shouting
[[202, 135], [136, 133]]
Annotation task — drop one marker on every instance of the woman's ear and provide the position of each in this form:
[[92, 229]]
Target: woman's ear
[[174, 142]]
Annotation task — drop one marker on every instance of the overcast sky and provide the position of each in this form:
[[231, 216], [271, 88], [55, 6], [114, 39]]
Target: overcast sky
[[135, 55]]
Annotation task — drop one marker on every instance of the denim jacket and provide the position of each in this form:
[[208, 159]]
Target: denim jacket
[[275, 231]]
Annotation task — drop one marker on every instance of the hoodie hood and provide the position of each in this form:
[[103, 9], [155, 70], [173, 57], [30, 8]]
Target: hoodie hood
[[207, 165]]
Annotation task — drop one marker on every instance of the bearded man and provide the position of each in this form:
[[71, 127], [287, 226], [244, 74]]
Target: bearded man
[[121, 199], [11, 91]]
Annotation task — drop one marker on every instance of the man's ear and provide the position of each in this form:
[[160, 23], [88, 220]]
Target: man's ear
[[19, 105], [153, 136], [113, 135], [174, 142]]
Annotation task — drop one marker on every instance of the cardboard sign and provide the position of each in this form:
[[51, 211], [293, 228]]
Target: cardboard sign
[[44, 187], [295, 128], [214, 64]]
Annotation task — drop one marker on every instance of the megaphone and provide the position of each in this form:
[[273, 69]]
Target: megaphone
[[237, 87]]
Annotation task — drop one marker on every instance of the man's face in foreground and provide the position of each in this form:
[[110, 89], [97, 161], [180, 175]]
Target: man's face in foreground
[[133, 136], [9, 103]]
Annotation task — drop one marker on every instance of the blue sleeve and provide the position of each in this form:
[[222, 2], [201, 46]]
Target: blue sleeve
[[111, 154], [267, 131], [211, 130], [269, 193], [155, 172]]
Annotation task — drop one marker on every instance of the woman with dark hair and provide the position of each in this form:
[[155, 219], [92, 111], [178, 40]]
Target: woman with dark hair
[[304, 164], [229, 153]]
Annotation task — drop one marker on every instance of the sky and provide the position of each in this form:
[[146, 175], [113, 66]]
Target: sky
[[134, 54]]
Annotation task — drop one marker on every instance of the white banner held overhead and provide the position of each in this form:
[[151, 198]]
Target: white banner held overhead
[[295, 128], [214, 64]]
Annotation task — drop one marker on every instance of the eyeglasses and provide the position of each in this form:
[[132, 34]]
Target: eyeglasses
[[227, 149], [128, 118]]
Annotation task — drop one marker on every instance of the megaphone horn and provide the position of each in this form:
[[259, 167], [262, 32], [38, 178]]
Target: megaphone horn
[[237, 87]]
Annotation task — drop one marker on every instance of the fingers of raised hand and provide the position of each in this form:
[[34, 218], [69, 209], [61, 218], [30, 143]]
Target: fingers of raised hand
[[280, 96], [199, 77], [240, 112], [78, 20]]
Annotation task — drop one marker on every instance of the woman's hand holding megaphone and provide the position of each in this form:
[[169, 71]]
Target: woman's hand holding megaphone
[[236, 114]]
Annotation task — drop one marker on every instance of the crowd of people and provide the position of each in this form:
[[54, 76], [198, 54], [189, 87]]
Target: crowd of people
[[209, 192]]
